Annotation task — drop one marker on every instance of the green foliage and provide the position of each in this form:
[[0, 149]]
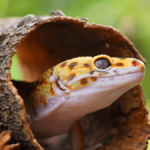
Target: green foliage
[[3, 6], [15, 69], [130, 17]]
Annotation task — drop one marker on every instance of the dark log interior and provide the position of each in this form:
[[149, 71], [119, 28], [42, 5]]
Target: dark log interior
[[54, 42]]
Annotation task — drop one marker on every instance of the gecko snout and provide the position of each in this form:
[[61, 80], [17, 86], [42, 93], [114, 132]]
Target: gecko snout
[[139, 64]]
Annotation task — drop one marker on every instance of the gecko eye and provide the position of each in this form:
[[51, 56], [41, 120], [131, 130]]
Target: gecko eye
[[102, 63]]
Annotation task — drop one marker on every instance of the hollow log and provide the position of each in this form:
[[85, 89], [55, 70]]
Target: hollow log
[[42, 42]]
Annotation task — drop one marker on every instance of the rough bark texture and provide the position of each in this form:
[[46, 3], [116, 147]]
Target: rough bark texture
[[42, 42], [5, 136]]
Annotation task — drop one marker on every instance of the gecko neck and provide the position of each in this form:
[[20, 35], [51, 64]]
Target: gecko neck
[[61, 119]]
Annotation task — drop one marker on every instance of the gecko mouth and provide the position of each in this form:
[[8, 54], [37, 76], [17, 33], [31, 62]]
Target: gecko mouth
[[63, 87], [58, 85], [123, 74]]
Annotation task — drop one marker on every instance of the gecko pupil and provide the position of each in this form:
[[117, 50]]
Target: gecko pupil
[[102, 63]]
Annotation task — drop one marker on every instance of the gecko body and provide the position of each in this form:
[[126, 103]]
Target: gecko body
[[77, 87]]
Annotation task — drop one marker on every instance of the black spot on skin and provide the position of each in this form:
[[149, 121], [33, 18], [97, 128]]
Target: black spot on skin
[[91, 72], [52, 71], [86, 65], [71, 76], [119, 64], [63, 64], [72, 65], [83, 81]]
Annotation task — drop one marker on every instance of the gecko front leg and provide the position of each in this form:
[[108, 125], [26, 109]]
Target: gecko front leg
[[76, 137]]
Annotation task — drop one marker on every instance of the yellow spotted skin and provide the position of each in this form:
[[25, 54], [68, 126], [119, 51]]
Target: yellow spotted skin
[[75, 67], [84, 65], [43, 89], [72, 69]]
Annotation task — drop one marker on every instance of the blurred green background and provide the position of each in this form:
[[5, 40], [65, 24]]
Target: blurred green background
[[131, 17]]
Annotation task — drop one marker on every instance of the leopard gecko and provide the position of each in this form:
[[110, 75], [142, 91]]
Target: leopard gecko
[[77, 87]]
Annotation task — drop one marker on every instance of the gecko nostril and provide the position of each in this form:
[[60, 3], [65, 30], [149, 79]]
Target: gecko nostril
[[135, 63]]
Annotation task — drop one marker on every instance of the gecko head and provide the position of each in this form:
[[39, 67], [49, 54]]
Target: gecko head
[[100, 77], [83, 85]]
